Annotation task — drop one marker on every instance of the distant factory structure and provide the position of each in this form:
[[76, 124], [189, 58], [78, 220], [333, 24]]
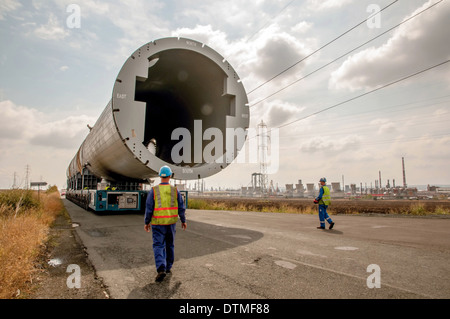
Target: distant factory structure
[[375, 190], [260, 186]]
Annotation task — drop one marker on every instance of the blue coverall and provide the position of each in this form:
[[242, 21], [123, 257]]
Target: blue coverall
[[163, 235], [323, 215]]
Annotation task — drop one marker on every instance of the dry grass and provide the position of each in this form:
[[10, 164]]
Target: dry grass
[[284, 208], [440, 210], [418, 208], [24, 226]]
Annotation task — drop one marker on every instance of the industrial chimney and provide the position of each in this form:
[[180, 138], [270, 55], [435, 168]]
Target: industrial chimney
[[404, 175]]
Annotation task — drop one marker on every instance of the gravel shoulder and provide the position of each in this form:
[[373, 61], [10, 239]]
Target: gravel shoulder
[[64, 248]]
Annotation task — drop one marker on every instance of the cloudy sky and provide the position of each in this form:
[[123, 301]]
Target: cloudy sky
[[343, 118]]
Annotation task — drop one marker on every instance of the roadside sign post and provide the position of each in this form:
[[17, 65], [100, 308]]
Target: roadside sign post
[[38, 184]]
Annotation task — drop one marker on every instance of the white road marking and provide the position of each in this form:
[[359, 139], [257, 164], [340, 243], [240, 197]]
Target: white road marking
[[306, 252], [285, 264], [346, 248]]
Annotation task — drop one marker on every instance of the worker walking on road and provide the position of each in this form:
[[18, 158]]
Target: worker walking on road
[[324, 200], [164, 205]]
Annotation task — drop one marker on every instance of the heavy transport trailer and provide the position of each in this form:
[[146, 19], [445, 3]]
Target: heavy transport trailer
[[112, 200], [169, 92], [108, 200]]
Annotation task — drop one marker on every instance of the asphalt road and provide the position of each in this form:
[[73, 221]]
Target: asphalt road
[[268, 255]]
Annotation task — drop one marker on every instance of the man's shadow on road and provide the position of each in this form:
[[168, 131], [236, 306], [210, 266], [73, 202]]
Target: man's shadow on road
[[156, 290], [199, 240], [334, 232]]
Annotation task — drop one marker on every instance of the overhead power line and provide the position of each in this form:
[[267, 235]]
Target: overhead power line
[[322, 47], [406, 139], [364, 126], [363, 94], [343, 55], [366, 93], [271, 18]]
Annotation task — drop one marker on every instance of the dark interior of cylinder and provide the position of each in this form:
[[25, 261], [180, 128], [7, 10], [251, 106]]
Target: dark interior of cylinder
[[182, 86]]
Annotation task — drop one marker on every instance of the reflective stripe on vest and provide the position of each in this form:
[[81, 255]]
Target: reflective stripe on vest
[[326, 198], [166, 205]]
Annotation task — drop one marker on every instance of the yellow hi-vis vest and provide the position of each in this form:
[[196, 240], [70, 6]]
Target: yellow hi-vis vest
[[326, 197], [166, 205]]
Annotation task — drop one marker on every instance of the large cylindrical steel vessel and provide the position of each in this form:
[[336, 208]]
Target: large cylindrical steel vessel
[[167, 90]]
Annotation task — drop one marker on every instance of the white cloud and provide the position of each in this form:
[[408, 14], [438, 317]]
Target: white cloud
[[139, 25], [257, 60], [7, 6], [278, 112], [301, 27], [266, 55], [29, 126], [327, 4], [88, 8], [439, 112], [329, 144], [66, 133], [417, 44], [53, 30], [277, 51], [227, 15], [16, 121], [206, 34], [28, 136], [385, 126]]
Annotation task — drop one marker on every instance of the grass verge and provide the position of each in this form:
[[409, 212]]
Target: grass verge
[[195, 203], [413, 209], [419, 209], [25, 221]]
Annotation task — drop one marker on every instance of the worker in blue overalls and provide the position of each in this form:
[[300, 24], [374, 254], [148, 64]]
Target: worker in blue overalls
[[324, 200], [163, 206]]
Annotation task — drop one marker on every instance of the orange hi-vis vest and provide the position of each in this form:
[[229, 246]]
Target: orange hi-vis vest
[[166, 205]]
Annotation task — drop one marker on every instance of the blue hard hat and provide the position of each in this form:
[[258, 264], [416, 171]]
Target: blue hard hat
[[323, 179], [165, 171]]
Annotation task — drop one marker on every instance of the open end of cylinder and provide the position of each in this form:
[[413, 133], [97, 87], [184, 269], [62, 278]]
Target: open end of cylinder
[[183, 89], [176, 102]]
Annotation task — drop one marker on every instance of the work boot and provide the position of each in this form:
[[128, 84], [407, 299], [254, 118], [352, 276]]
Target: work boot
[[320, 227], [160, 276], [331, 226]]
